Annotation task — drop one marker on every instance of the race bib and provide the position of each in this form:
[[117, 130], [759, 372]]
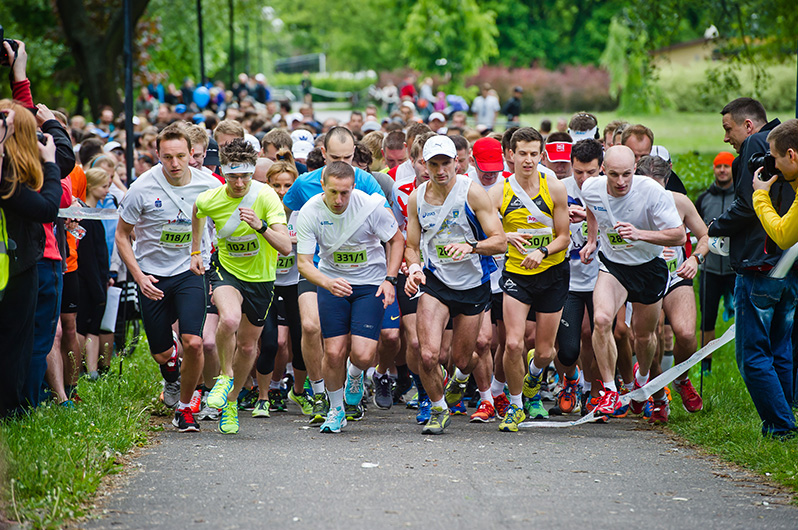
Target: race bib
[[616, 241], [541, 237], [243, 246], [350, 257], [584, 228], [440, 251], [672, 265], [176, 235], [285, 263]]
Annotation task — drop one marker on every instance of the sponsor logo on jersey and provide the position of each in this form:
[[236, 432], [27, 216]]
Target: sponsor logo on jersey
[[158, 203]]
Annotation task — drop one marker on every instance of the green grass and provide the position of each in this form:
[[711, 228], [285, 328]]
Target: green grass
[[55, 458]]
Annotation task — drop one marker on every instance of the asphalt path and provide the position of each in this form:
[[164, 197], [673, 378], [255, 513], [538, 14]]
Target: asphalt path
[[381, 472]]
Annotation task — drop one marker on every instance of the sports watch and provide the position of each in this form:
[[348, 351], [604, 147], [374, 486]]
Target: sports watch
[[263, 227]]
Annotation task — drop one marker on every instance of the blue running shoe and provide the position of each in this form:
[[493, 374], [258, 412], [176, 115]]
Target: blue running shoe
[[336, 419], [424, 407], [353, 390], [459, 408]]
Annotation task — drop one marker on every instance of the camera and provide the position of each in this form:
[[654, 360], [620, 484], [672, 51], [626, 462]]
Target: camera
[[5, 60], [768, 164], [42, 139]]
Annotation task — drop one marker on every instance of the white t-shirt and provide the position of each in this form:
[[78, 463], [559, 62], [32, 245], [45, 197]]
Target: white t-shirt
[[287, 272], [647, 206], [361, 259], [485, 108], [162, 230], [583, 276]]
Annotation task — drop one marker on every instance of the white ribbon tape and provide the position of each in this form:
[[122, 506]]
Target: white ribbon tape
[[75, 212], [652, 387]]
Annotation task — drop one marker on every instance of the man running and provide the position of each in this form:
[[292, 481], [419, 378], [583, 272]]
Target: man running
[[459, 232], [157, 210], [348, 226], [245, 214], [534, 211], [636, 218]]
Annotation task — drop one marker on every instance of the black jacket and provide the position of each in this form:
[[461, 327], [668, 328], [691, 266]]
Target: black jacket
[[710, 205], [749, 245]]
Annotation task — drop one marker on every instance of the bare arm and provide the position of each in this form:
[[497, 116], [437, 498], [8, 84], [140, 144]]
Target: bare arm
[[197, 227], [412, 257], [145, 282], [669, 237], [695, 224], [496, 241], [592, 234], [337, 286], [561, 227]]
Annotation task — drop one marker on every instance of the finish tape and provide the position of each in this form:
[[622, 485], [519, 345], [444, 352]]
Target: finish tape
[[653, 386], [100, 214]]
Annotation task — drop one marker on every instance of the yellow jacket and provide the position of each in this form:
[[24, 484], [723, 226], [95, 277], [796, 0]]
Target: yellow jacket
[[782, 230]]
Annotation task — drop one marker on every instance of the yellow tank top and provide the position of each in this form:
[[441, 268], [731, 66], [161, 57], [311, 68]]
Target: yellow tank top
[[517, 218]]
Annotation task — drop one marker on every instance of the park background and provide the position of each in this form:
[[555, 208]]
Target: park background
[[671, 65]]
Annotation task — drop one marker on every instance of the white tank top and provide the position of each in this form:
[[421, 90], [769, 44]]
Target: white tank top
[[459, 226]]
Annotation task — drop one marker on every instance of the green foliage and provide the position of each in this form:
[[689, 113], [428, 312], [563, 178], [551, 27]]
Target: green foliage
[[56, 457], [329, 82], [626, 58], [455, 31]]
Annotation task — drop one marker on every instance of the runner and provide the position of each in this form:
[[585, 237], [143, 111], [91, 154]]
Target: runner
[[244, 212], [534, 211], [157, 210], [636, 217], [348, 226], [452, 221]]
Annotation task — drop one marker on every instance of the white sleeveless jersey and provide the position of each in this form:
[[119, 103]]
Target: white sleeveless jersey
[[583, 277], [460, 226], [287, 272]]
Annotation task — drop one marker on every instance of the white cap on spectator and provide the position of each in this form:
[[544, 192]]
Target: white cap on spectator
[[253, 142], [437, 116], [301, 135], [369, 126], [110, 146], [302, 149], [660, 151]]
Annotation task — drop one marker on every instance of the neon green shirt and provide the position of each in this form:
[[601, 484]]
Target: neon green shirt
[[245, 253]]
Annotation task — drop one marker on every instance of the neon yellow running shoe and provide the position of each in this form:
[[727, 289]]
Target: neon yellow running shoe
[[217, 397], [228, 422], [514, 416]]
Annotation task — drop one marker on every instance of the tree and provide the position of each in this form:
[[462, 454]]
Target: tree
[[95, 34], [452, 37], [627, 60]]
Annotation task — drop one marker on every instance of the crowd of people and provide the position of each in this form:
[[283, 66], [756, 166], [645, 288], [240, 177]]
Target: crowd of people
[[276, 261]]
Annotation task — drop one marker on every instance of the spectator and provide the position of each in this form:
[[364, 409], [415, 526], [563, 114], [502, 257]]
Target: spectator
[[512, 109], [485, 107]]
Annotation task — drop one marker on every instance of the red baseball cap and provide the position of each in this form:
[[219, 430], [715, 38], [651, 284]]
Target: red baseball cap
[[487, 153], [558, 151]]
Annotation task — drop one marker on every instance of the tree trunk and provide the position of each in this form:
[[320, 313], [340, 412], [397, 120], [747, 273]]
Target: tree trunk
[[98, 51]]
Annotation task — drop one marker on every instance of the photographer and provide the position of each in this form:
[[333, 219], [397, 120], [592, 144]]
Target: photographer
[[30, 193], [764, 306]]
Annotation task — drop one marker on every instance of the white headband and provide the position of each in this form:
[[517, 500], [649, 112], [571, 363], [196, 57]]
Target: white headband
[[582, 135], [237, 169]]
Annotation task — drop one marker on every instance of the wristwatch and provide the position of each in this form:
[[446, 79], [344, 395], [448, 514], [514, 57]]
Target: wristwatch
[[699, 258], [393, 280], [263, 227], [545, 252], [473, 246]]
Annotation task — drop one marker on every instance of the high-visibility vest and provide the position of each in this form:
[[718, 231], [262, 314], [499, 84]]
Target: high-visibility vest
[[4, 259]]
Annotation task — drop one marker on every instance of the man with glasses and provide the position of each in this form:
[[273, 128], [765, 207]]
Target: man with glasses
[[251, 230]]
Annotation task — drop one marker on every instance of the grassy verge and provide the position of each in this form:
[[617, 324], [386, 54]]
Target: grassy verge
[[55, 458]]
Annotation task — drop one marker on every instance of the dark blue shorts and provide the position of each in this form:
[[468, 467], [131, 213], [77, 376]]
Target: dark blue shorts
[[359, 313], [391, 318]]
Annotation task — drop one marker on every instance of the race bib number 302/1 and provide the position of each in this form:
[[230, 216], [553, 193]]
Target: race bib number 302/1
[[176, 235], [243, 246], [350, 257]]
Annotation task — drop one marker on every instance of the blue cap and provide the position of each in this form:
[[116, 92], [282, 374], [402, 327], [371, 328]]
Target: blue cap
[[180, 108]]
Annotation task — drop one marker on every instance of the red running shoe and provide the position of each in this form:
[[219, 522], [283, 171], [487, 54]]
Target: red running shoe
[[659, 413], [691, 401], [636, 407], [501, 404]]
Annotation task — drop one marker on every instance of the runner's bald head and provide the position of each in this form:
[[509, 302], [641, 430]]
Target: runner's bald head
[[619, 156], [339, 170]]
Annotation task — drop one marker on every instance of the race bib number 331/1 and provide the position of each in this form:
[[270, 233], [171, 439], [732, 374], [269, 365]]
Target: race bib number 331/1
[[350, 258]]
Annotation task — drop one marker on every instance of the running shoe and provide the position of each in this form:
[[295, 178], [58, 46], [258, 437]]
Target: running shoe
[[501, 404], [648, 408], [354, 412], [228, 420], [184, 421], [459, 409], [424, 408], [485, 413], [590, 405], [336, 420], [532, 385], [383, 397], [412, 403], [320, 408], [170, 370], [607, 403], [623, 410], [454, 391], [659, 412], [276, 400], [196, 401], [534, 409], [691, 401], [171, 393], [514, 416], [353, 390], [304, 401], [247, 398], [636, 407], [568, 397], [217, 397], [438, 421], [261, 409], [403, 386], [206, 412]]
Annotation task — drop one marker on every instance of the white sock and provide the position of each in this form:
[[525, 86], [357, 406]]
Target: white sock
[[610, 386], [496, 387], [516, 400], [336, 398], [486, 396], [641, 379], [317, 386], [534, 370], [460, 376], [440, 403], [289, 368], [181, 405], [274, 384], [371, 372], [587, 385], [354, 371], [629, 386], [377, 374]]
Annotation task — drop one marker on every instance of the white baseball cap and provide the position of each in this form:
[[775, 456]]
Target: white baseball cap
[[439, 145], [301, 149], [301, 135], [437, 116], [660, 151]]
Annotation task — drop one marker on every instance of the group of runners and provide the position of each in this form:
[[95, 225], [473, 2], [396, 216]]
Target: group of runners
[[492, 262]]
